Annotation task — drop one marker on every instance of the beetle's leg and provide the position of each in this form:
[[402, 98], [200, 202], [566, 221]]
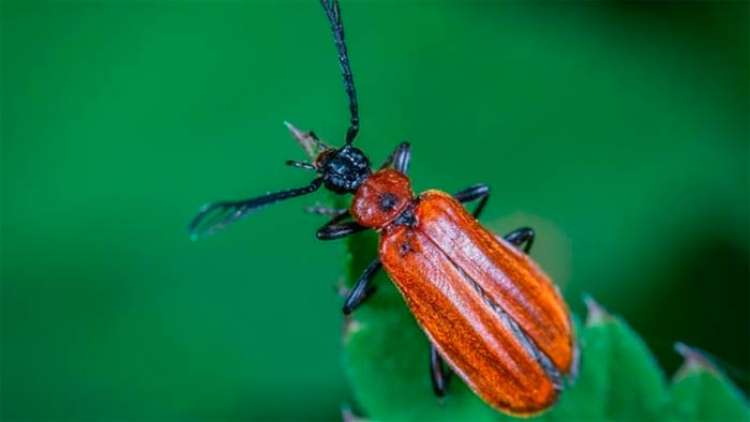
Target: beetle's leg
[[324, 210], [523, 236], [439, 375], [334, 229], [399, 158], [337, 231], [304, 165], [479, 191], [363, 288]]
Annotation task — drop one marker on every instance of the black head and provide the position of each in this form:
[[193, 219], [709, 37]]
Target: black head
[[340, 170], [343, 169]]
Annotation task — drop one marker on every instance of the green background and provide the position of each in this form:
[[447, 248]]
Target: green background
[[619, 131]]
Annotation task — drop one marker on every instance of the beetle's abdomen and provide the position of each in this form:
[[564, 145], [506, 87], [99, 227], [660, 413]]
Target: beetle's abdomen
[[508, 276]]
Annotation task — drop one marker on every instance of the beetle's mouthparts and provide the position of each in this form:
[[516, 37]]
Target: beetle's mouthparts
[[307, 140]]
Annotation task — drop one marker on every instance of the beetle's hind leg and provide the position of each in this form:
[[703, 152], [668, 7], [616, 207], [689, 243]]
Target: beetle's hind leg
[[362, 288], [439, 374], [523, 236], [479, 191]]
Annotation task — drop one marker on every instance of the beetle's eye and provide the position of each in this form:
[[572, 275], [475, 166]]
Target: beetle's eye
[[323, 157]]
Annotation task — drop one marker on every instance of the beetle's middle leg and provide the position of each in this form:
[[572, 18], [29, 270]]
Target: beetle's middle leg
[[479, 191], [523, 236], [362, 288], [439, 374]]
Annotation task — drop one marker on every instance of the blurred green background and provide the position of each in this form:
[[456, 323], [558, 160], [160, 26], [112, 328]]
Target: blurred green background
[[620, 131]]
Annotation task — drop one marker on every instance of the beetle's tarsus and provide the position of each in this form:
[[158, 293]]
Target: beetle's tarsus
[[523, 236], [439, 374], [479, 191]]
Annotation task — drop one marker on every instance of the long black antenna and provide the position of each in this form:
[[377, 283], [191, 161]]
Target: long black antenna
[[333, 11], [216, 215]]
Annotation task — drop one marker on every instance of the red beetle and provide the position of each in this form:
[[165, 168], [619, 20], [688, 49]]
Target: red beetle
[[488, 310]]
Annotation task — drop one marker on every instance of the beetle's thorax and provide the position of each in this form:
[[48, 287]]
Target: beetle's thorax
[[381, 198], [343, 170]]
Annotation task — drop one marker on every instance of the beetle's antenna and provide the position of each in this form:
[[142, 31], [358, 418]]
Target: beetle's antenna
[[333, 12], [216, 215]]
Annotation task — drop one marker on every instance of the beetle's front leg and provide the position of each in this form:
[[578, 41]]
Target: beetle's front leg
[[523, 236], [319, 209], [399, 158], [335, 229], [362, 288], [479, 191], [439, 375]]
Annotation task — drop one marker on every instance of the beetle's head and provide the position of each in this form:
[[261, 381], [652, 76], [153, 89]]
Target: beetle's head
[[340, 170], [343, 169]]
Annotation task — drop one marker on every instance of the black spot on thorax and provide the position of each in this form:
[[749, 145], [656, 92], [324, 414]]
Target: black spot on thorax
[[407, 217], [387, 201]]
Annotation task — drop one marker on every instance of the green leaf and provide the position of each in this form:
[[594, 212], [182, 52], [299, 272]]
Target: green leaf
[[386, 361], [700, 392], [619, 378]]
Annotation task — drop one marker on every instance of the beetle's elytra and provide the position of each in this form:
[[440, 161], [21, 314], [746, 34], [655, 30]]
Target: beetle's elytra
[[488, 310]]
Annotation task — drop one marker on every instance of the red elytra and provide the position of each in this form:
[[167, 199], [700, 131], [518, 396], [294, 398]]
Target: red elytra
[[471, 291]]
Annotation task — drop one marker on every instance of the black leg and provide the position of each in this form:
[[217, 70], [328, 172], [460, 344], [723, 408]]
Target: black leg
[[479, 191], [363, 288], [301, 165], [334, 229], [399, 158], [439, 375], [518, 237], [324, 210]]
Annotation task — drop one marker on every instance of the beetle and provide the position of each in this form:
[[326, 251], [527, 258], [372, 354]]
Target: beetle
[[487, 309]]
